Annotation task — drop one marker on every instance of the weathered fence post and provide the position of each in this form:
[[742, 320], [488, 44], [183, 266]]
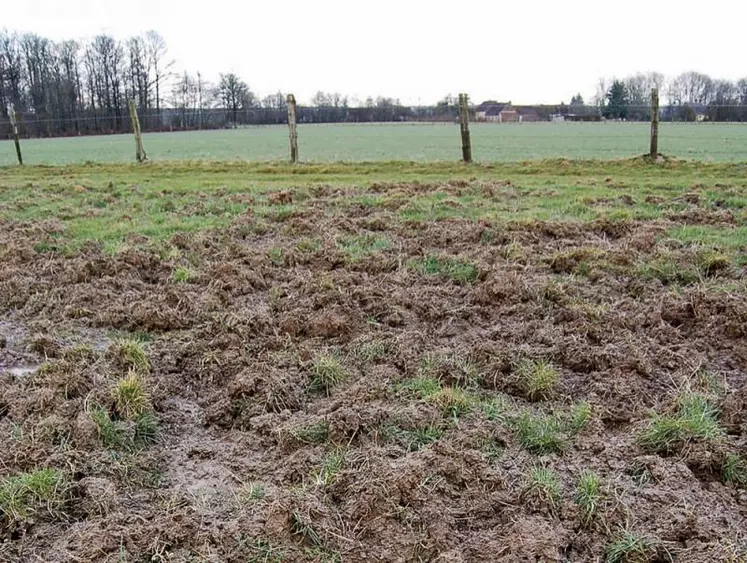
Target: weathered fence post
[[139, 151], [654, 152], [464, 126], [292, 132], [14, 126]]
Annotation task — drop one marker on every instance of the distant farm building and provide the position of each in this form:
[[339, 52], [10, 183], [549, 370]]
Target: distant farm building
[[498, 112], [561, 117]]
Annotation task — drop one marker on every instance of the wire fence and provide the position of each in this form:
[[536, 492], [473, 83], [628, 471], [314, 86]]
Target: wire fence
[[425, 133], [98, 122]]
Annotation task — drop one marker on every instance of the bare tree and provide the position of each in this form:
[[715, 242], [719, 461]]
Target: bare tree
[[140, 85], [694, 87], [232, 91], [159, 67], [600, 94]]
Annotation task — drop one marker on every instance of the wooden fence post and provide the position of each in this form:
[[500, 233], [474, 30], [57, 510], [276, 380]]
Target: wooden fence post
[[292, 132], [464, 126], [139, 151], [654, 152], [14, 126]]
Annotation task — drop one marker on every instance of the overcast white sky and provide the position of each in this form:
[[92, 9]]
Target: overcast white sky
[[527, 52]]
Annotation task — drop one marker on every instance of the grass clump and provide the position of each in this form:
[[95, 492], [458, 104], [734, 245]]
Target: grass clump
[[587, 496], [459, 271], [734, 470], [578, 417], [413, 439], [252, 491], [628, 547], [130, 397], [276, 256], [317, 433], [539, 433], [331, 466], [327, 372], [132, 354], [452, 401], [123, 435], [695, 418], [183, 275], [146, 429], [496, 409], [111, 434], [371, 351], [490, 447], [541, 485], [537, 379], [668, 271], [711, 262], [360, 246], [422, 387], [38, 494]]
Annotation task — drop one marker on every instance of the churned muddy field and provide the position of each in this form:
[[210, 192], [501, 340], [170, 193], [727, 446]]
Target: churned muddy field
[[374, 363]]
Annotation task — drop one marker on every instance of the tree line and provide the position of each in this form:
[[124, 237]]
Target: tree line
[[74, 87], [691, 96]]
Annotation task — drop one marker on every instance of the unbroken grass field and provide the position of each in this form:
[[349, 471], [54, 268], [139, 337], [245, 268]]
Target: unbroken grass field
[[374, 362], [402, 142]]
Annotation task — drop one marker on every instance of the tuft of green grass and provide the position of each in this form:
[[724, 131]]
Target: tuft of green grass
[[132, 354], [317, 433], [712, 262], [539, 434], [695, 418], [130, 397], [628, 547], [537, 379], [146, 429], [360, 246], [489, 447], [464, 371], [542, 485], [452, 401], [579, 417], [183, 274], [331, 466], [42, 493], [327, 372], [276, 256], [587, 496], [252, 491], [457, 270], [413, 439], [497, 408], [111, 434], [734, 470], [118, 435], [668, 271], [371, 351], [422, 387]]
